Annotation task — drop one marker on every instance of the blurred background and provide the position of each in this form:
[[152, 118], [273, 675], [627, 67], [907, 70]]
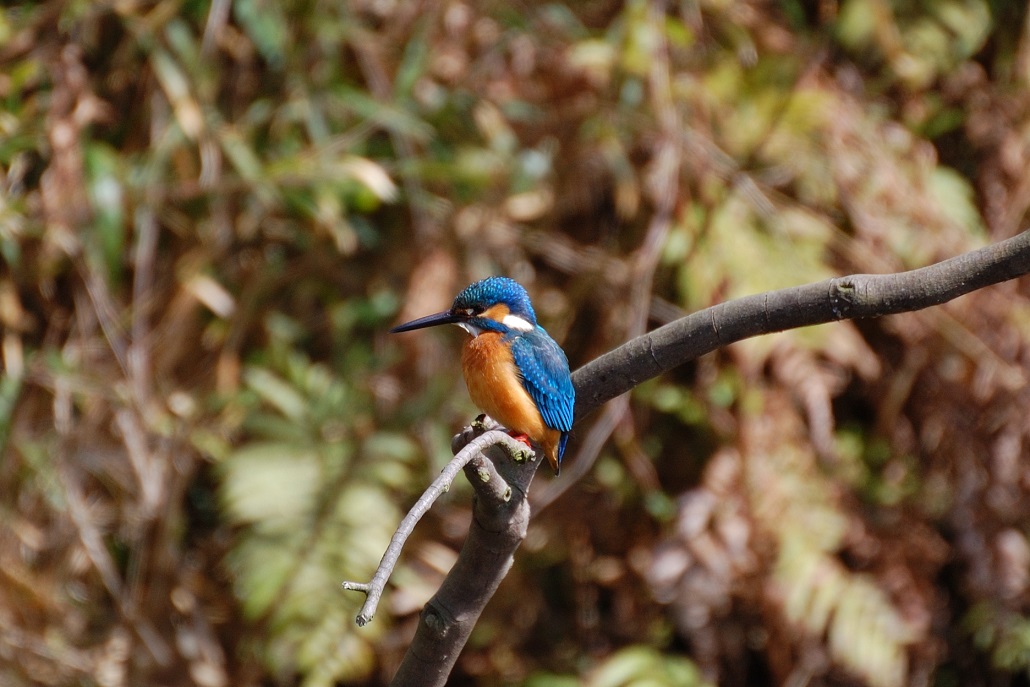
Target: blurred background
[[211, 213]]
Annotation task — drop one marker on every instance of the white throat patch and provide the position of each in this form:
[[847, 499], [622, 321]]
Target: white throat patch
[[471, 329], [516, 322]]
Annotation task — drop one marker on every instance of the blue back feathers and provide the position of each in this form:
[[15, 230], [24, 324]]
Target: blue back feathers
[[544, 370]]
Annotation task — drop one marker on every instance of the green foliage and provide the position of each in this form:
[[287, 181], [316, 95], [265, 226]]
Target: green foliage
[[107, 197], [920, 41], [10, 386], [864, 630], [644, 666], [1001, 633], [633, 666], [309, 494], [210, 213]]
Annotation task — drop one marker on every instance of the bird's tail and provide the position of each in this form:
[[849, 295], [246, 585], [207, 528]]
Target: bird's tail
[[555, 450]]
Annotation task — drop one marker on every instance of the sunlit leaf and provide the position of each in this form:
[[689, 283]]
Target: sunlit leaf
[[957, 200], [266, 25], [178, 90], [271, 484], [277, 392], [108, 199], [641, 665]]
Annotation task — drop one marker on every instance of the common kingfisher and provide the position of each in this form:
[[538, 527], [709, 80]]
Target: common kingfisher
[[514, 370]]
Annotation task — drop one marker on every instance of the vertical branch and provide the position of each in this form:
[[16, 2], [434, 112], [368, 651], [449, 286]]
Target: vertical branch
[[500, 518]]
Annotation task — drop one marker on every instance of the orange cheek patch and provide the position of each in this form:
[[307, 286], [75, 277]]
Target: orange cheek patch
[[496, 312]]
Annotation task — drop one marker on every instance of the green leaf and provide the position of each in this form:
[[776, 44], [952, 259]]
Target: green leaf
[[636, 666], [263, 568], [107, 197], [266, 25], [957, 200], [271, 485], [277, 392]]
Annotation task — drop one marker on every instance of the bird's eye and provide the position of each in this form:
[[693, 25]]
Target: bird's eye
[[470, 311]]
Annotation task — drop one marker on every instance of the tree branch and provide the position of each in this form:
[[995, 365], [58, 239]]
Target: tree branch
[[840, 298], [499, 524], [500, 517], [494, 489]]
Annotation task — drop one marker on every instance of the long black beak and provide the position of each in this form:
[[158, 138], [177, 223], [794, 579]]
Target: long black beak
[[445, 317]]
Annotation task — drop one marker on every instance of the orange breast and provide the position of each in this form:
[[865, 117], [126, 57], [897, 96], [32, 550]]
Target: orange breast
[[494, 385]]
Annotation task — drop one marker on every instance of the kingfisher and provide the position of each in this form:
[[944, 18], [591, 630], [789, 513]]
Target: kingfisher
[[515, 372]]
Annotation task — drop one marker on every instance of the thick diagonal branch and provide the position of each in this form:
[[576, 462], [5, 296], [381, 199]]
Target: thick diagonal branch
[[841, 298]]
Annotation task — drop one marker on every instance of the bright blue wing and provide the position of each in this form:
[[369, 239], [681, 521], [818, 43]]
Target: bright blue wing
[[544, 371]]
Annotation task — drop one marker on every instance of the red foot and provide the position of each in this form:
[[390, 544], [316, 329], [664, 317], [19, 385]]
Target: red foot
[[524, 438]]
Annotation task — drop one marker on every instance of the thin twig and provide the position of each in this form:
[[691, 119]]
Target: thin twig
[[374, 588], [97, 552]]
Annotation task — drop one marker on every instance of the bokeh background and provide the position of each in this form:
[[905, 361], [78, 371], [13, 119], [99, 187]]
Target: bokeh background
[[211, 213]]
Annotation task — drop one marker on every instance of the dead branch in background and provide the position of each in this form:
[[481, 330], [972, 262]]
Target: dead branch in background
[[500, 516]]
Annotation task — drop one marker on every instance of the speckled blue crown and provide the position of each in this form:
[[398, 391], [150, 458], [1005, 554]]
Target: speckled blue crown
[[497, 290]]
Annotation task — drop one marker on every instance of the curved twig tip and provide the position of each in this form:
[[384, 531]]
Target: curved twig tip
[[374, 589]]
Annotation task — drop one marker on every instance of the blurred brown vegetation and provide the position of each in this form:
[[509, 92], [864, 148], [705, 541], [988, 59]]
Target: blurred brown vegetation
[[210, 213]]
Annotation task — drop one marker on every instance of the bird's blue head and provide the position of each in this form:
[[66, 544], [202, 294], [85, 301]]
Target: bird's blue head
[[495, 304], [496, 298]]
